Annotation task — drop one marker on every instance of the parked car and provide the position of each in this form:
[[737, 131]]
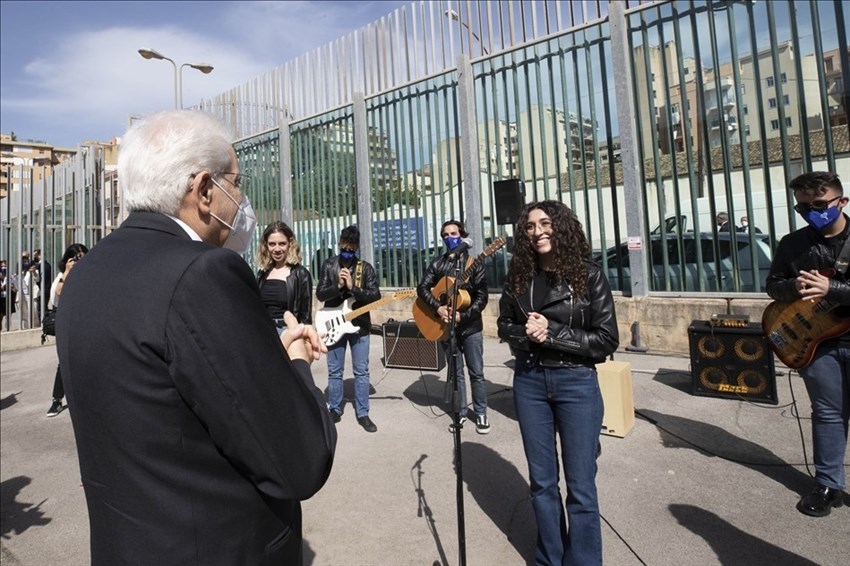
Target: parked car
[[718, 273]]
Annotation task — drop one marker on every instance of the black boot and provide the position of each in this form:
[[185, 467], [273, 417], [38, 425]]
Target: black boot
[[819, 503]]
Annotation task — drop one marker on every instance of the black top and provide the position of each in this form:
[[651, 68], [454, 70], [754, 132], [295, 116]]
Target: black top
[[274, 296]]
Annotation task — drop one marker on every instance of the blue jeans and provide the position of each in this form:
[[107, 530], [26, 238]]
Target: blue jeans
[[473, 353], [566, 401], [360, 364], [827, 380]]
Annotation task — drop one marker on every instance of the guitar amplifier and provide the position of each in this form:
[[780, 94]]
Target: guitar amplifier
[[731, 362], [405, 347]]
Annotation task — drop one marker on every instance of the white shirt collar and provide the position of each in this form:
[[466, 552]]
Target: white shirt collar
[[188, 229]]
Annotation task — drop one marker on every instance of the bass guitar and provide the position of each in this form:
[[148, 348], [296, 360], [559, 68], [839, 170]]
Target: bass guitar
[[335, 322], [794, 329], [432, 326]]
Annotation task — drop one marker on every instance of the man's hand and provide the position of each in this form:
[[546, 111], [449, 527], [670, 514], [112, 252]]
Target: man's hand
[[345, 279], [537, 327], [301, 341], [445, 314], [812, 285]]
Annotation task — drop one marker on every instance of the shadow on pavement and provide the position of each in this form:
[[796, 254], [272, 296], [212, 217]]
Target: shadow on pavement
[[675, 378], [731, 544], [500, 490], [9, 400], [679, 432], [16, 517], [424, 510]]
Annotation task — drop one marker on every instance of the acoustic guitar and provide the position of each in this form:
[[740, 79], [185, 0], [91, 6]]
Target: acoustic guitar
[[794, 329], [335, 322], [432, 326]]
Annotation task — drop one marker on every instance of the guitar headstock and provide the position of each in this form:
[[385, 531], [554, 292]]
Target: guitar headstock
[[403, 294]]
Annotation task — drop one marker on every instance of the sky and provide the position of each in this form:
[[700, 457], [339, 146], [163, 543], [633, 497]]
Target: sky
[[71, 72]]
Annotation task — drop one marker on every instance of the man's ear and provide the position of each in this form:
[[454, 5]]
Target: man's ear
[[202, 187]]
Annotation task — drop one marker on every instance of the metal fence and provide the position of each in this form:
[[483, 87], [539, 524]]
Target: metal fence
[[647, 118]]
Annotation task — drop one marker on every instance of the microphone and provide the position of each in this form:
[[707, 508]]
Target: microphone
[[464, 245]]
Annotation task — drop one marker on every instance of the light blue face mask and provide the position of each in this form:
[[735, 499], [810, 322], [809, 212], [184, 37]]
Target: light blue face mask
[[820, 219]]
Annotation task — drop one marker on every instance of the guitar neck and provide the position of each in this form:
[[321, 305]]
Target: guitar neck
[[373, 305]]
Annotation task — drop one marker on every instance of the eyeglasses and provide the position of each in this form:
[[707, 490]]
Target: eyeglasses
[[237, 178], [803, 208], [545, 225]]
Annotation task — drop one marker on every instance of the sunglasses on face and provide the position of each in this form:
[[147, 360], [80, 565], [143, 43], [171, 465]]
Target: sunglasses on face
[[803, 208]]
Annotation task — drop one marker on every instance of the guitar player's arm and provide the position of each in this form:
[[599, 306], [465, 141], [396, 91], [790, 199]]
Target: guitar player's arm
[[478, 295], [423, 290], [326, 283]]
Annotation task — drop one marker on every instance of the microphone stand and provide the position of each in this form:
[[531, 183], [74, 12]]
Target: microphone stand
[[452, 383]]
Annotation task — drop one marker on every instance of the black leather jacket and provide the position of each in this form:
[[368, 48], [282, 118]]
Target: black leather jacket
[[366, 292], [476, 286], [299, 292], [582, 332], [806, 249]]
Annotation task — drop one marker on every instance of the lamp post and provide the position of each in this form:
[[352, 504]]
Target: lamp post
[[178, 72], [452, 15]]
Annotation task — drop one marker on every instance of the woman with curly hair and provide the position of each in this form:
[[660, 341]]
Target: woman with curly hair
[[557, 314], [285, 284]]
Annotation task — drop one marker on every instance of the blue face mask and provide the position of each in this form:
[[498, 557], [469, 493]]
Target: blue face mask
[[451, 242], [820, 219], [347, 257]]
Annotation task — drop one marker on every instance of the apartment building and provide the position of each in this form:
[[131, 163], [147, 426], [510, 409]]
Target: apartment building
[[21, 158]]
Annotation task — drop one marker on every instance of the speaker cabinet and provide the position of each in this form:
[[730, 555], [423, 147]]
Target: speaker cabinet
[[731, 363], [510, 198], [405, 347], [615, 382]]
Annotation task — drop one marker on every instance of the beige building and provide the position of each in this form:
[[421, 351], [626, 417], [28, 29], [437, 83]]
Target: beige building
[[20, 158]]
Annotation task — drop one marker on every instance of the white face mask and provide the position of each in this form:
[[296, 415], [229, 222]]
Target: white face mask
[[244, 224]]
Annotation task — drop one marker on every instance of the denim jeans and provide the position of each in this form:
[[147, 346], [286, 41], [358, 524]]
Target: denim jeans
[[360, 364], [473, 352], [566, 401], [827, 380]]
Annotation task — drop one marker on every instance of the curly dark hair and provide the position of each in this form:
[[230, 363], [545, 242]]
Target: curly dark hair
[[569, 246], [350, 235], [460, 228], [816, 183]]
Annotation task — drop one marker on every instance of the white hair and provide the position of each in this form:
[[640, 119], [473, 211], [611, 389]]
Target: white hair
[[159, 154]]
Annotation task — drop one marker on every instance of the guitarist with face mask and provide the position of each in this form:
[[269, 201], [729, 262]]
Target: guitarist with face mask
[[469, 328], [797, 274], [341, 277]]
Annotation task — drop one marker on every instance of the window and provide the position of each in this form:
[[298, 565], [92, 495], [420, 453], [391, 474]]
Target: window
[[687, 70], [785, 100], [743, 88], [746, 110], [771, 102], [784, 78], [747, 130], [770, 81], [774, 125], [828, 64], [788, 121]]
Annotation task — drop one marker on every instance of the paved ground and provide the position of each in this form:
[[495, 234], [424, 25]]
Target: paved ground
[[697, 481]]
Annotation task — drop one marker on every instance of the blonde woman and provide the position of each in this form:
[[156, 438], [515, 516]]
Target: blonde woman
[[285, 284]]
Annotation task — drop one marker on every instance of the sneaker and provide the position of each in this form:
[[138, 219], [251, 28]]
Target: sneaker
[[367, 424], [462, 422], [55, 408], [482, 425]]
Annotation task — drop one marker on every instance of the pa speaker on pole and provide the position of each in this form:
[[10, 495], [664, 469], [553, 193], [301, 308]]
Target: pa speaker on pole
[[510, 198]]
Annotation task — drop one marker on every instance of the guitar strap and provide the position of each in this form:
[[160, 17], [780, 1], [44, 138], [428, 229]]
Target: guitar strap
[[843, 258], [358, 273]]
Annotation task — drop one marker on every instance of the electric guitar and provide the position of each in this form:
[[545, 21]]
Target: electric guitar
[[795, 329], [432, 326], [335, 322]]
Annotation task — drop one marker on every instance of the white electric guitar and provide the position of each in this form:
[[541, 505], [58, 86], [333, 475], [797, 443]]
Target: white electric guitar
[[335, 322]]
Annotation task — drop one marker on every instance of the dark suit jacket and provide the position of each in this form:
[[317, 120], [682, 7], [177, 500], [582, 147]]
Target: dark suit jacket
[[196, 434]]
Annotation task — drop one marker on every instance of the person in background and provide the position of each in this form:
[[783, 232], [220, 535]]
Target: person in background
[[199, 430], [745, 226], [285, 284], [557, 314], [723, 224], [341, 277], [796, 273], [43, 280], [24, 284], [72, 255], [469, 332]]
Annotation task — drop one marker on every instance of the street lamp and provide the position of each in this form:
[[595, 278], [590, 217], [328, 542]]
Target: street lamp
[[178, 72], [452, 15]]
